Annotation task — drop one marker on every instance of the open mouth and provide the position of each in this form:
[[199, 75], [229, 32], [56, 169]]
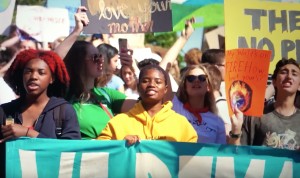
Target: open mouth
[[150, 92], [287, 83], [32, 86]]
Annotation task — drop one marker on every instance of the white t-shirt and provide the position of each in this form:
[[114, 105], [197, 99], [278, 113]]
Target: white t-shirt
[[223, 89], [174, 84], [223, 113], [211, 130], [6, 94], [131, 94]]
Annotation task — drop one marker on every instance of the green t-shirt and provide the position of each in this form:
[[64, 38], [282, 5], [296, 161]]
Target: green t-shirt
[[91, 117]]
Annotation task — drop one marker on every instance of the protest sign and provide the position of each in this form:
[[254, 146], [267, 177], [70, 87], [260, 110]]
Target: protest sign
[[93, 158], [70, 5], [246, 79], [122, 16], [6, 14], [43, 24], [265, 25]]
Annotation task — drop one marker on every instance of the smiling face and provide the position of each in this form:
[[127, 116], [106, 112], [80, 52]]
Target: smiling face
[[36, 77], [152, 86], [196, 87], [287, 79]]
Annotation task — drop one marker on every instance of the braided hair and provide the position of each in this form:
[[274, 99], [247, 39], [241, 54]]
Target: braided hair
[[14, 75]]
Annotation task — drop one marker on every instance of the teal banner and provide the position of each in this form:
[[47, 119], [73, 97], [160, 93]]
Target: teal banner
[[42, 158]]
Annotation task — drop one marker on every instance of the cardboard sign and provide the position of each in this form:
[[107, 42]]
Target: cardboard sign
[[265, 25], [43, 24], [123, 16], [246, 80], [6, 14]]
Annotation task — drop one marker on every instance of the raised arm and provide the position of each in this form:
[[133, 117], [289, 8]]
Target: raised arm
[[81, 20], [10, 42], [173, 52]]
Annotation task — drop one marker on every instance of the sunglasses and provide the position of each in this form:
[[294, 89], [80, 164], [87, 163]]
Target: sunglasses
[[96, 58], [192, 78]]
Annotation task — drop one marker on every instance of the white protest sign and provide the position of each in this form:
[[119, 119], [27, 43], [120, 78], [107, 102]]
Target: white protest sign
[[6, 13], [43, 24]]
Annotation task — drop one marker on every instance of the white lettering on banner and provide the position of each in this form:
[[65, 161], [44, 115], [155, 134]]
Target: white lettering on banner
[[28, 164], [148, 165], [94, 165], [66, 165], [225, 167], [189, 166], [256, 168], [287, 170]]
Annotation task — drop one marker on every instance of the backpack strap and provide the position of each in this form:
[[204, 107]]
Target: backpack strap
[[59, 117]]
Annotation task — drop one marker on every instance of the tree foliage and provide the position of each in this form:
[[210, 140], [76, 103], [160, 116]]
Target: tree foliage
[[165, 40]]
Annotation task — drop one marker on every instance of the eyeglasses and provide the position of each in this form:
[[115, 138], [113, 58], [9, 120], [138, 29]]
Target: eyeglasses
[[96, 58], [192, 78]]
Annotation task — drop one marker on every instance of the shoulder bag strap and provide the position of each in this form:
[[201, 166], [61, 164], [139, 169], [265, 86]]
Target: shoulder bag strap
[[106, 110]]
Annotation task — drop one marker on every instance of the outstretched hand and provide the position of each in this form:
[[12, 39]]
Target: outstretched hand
[[81, 18], [132, 139], [189, 29]]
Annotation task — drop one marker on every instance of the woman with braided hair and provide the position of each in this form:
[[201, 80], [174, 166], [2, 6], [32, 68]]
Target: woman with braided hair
[[39, 78]]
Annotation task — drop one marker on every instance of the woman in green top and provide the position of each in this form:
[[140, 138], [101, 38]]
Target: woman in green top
[[94, 106]]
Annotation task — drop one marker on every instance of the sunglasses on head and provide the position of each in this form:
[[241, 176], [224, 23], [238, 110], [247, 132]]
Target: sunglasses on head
[[191, 78], [96, 58]]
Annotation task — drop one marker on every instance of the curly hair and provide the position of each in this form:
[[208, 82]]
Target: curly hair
[[14, 75], [193, 56], [209, 99]]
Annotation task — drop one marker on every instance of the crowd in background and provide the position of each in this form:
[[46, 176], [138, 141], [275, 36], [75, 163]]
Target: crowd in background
[[75, 90]]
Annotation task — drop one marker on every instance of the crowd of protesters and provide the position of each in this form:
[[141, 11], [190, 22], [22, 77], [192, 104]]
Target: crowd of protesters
[[75, 91]]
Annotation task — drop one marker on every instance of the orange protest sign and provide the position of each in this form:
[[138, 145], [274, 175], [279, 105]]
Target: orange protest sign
[[246, 79]]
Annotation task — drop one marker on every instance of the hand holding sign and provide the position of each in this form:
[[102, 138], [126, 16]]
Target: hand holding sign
[[81, 19], [236, 120], [246, 79], [132, 139]]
